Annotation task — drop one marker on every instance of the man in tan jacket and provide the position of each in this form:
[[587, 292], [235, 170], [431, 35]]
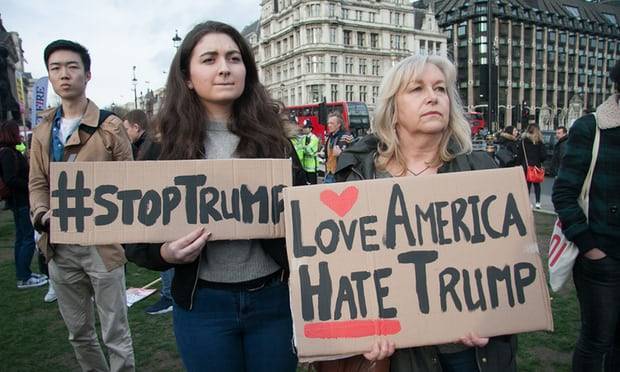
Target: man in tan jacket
[[79, 131]]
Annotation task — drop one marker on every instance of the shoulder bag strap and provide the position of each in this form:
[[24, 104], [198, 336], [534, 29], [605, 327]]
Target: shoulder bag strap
[[584, 197], [524, 152]]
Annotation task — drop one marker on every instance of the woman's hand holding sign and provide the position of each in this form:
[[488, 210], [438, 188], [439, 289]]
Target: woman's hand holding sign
[[381, 349], [185, 249], [473, 340]]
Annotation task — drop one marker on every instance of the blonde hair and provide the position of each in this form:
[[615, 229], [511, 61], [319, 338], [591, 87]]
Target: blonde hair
[[533, 133], [458, 131]]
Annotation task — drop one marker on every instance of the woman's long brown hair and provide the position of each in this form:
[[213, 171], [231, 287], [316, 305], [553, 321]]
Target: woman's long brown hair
[[180, 125]]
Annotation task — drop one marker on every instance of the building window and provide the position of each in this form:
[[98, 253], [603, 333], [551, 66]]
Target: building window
[[375, 93], [332, 35], [348, 65], [395, 41], [363, 93], [314, 64], [315, 92], [372, 17], [611, 18], [346, 36], [334, 92], [374, 41], [362, 67], [314, 34], [313, 10], [348, 91], [345, 13], [361, 39], [334, 64], [268, 51], [462, 29], [358, 15], [396, 18], [332, 9], [268, 76], [375, 67], [572, 10]]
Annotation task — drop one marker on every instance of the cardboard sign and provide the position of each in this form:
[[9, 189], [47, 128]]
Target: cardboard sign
[[420, 260], [138, 294], [157, 201]]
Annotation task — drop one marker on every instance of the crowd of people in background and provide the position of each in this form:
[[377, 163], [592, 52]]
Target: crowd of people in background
[[230, 302]]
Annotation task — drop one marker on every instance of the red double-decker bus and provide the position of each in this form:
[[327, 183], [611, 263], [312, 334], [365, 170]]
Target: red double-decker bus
[[355, 115]]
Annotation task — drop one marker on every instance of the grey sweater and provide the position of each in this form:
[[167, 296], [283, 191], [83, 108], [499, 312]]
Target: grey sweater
[[231, 261]]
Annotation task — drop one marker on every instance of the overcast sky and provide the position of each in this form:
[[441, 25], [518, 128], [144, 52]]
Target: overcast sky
[[118, 34]]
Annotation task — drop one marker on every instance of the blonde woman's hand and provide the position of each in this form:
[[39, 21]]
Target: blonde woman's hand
[[473, 340], [381, 349], [595, 254], [185, 249]]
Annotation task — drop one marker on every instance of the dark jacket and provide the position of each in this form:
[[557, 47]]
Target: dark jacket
[[602, 229], [14, 173], [357, 163], [535, 153], [341, 139], [136, 146], [185, 277], [507, 142], [559, 149]]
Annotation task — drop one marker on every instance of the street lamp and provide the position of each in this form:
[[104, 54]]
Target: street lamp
[[491, 56], [176, 40], [135, 94]]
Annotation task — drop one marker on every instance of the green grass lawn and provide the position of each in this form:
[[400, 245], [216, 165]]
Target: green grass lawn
[[34, 337]]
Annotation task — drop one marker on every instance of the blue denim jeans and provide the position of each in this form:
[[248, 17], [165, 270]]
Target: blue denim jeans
[[166, 283], [24, 242], [598, 290], [237, 331], [329, 178]]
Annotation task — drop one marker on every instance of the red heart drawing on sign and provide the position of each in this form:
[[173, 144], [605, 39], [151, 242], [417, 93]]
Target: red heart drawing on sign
[[341, 204]]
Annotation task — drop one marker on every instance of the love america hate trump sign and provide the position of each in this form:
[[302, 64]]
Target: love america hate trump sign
[[419, 260], [158, 201]]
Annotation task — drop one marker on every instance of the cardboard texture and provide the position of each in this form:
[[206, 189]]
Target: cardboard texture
[[420, 260], [157, 201]]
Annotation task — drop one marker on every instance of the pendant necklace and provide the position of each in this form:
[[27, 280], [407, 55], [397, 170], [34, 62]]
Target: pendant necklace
[[420, 172]]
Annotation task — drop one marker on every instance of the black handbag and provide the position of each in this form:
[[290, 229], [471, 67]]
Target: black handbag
[[505, 157]]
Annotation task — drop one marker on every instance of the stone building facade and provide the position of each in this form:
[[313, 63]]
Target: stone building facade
[[312, 50]]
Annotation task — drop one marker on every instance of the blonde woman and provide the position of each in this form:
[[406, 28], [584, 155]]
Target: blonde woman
[[532, 152], [420, 129]]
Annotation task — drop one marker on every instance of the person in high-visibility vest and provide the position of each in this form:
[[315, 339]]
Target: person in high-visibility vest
[[21, 147], [298, 143], [310, 147]]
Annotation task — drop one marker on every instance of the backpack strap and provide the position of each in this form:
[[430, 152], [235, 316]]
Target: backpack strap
[[103, 116], [85, 132]]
